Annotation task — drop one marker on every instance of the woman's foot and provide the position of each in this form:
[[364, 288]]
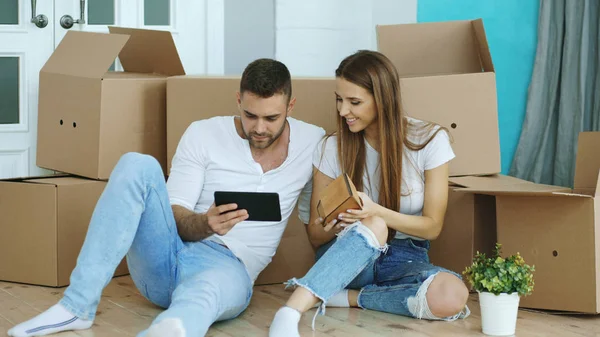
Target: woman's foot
[[53, 320], [285, 323]]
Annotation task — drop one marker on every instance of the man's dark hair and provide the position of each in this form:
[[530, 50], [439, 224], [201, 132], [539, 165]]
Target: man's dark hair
[[265, 78]]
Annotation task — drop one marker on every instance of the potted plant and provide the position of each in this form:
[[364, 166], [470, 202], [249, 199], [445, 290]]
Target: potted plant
[[500, 283]]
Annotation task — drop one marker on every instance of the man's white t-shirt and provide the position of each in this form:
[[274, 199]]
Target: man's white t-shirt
[[211, 156], [414, 164]]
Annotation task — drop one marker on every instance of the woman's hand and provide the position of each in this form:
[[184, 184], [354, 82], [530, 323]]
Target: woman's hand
[[334, 225], [369, 209]]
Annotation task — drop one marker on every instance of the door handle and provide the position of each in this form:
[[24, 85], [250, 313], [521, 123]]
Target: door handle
[[40, 20], [67, 21]]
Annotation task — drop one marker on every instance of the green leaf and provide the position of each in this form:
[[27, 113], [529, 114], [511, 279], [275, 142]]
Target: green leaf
[[500, 275]]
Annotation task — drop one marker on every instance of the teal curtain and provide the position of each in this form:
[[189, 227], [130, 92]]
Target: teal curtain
[[563, 97]]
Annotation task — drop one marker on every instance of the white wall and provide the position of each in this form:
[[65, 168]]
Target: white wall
[[249, 33], [313, 36], [310, 36]]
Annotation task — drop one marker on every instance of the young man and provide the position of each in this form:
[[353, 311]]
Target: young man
[[185, 254]]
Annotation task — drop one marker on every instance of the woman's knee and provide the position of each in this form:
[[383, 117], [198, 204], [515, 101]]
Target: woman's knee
[[447, 295], [378, 227]]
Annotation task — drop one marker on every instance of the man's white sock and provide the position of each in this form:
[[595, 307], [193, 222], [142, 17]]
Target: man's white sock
[[171, 327], [53, 320], [285, 323]]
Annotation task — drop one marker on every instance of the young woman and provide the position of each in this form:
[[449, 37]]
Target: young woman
[[377, 257]]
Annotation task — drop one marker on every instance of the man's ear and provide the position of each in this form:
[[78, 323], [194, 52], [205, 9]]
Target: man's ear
[[291, 106], [239, 99]]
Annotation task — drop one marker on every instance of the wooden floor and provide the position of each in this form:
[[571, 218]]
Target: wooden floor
[[124, 312]]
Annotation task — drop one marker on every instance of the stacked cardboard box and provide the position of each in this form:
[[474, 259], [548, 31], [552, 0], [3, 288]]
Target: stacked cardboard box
[[44, 223], [88, 118]]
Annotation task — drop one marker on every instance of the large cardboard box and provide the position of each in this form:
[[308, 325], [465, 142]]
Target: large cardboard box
[[43, 224], [88, 117], [558, 232], [447, 77], [470, 222], [192, 98]]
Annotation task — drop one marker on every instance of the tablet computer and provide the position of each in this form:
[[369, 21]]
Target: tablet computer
[[261, 206]]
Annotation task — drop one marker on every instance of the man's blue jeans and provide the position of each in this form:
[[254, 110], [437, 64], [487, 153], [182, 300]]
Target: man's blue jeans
[[198, 282]]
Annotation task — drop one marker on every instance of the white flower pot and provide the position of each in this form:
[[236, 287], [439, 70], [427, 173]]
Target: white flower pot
[[499, 313]]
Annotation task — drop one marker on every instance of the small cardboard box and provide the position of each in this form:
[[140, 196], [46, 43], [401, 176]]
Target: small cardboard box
[[42, 228], [558, 232], [447, 77], [192, 98], [88, 117], [470, 222], [339, 196]]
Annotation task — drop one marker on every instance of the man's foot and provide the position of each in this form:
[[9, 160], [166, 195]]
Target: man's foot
[[171, 327], [285, 323], [53, 320]]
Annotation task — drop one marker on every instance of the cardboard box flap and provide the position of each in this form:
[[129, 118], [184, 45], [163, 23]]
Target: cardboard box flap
[[85, 54], [482, 43], [452, 47], [149, 51], [486, 182], [587, 165], [525, 189]]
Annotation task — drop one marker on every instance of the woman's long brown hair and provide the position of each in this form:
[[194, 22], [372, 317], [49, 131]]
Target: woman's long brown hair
[[374, 72]]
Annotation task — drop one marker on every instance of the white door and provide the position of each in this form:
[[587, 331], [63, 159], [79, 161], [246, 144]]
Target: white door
[[24, 48], [197, 27]]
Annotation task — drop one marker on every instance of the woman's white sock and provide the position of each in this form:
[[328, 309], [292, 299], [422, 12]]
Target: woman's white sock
[[339, 300]]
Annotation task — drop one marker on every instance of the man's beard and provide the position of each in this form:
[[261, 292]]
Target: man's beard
[[261, 145]]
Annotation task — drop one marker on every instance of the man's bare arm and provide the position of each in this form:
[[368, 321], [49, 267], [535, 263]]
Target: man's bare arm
[[193, 226]]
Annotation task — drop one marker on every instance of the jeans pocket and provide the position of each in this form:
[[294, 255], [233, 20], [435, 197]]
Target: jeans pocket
[[421, 246]]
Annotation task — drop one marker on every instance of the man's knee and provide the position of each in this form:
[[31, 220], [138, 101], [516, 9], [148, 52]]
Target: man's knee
[[137, 159], [447, 295], [378, 227], [133, 163]]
